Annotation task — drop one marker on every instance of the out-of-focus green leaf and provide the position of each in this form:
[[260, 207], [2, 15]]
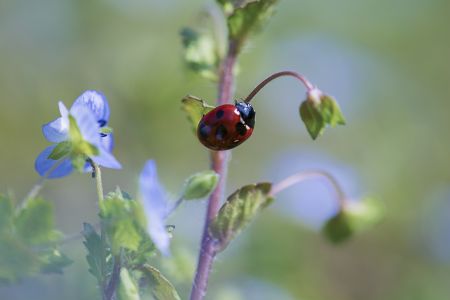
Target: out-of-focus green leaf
[[62, 149], [160, 287], [34, 222], [128, 290], [195, 108], [239, 209], [17, 260], [99, 265], [200, 185], [120, 223], [201, 54], [354, 218], [248, 19], [318, 111], [53, 261]]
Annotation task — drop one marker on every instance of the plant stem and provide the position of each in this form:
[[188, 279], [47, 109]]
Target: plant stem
[[98, 179], [302, 176], [219, 163], [39, 185], [300, 77]]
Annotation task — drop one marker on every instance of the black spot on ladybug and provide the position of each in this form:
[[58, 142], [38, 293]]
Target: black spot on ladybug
[[204, 130], [219, 114], [241, 129], [221, 132]]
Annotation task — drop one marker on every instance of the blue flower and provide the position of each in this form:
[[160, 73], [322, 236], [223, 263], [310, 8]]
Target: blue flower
[[81, 129], [155, 205]]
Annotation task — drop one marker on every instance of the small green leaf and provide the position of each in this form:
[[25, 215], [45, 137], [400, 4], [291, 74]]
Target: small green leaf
[[240, 208], [99, 266], [161, 288], [79, 162], [249, 18], [121, 224], [74, 131], [53, 261], [62, 149], [200, 185], [356, 217], [128, 290], [318, 111], [201, 53], [79, 146], [34, 222], [195, 108], [17, 260], [312, 118]]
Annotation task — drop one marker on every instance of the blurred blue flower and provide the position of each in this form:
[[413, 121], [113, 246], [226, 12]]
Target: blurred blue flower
[[91, 113], [155, 206]]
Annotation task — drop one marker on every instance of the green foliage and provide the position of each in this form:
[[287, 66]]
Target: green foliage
[[123, 221], [239, 209], [62, 149], [355, 218], [160, 287], [318, 111], [201, 53], [99, 255], [195, 108], [200, 185], [28, 240], [128, 290], [248, 18], [34, 223]]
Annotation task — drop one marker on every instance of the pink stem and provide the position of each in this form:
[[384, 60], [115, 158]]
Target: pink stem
[[219, 163], [300, 77], [302, 176]]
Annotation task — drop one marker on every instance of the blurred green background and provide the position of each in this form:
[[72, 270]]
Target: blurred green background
[[387, 62]]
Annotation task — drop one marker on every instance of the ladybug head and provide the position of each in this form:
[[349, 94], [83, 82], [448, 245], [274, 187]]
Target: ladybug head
[[247, 113]]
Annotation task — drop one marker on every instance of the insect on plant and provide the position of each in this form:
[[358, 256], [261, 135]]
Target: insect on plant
[[121, 246]]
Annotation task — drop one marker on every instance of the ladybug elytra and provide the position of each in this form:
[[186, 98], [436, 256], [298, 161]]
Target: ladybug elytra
[[226, 126]]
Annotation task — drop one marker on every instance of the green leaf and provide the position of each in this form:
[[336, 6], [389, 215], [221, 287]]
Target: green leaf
[[6, 213], [356, 217], [99, 265], [161, 288], [120, 222], [53, 261], [200, 185], [201, 54], [62, 149], [128, 290], [240, 208], [17, 260], [34, 222], [318, 111], [195, 108], [248, 19]]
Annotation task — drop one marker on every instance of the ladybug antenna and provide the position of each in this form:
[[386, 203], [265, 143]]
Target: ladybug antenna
[[296, 75]]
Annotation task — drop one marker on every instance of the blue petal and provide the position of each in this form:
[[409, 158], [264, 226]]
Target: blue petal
[[106, 159], [56, 131], [97, 103], [87, 124], [108, 142], [43, 165], [155, 206]]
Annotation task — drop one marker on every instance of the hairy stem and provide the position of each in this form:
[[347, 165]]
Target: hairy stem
[[263, 83], [302, 176], [219, 163]]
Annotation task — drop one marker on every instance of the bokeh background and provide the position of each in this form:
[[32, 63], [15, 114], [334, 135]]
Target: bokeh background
[[387, 62]]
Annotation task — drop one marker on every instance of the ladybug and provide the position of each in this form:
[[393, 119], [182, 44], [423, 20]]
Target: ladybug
[[226, 126]]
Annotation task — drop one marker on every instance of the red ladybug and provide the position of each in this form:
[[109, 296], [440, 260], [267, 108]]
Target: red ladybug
[[226, 126]]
